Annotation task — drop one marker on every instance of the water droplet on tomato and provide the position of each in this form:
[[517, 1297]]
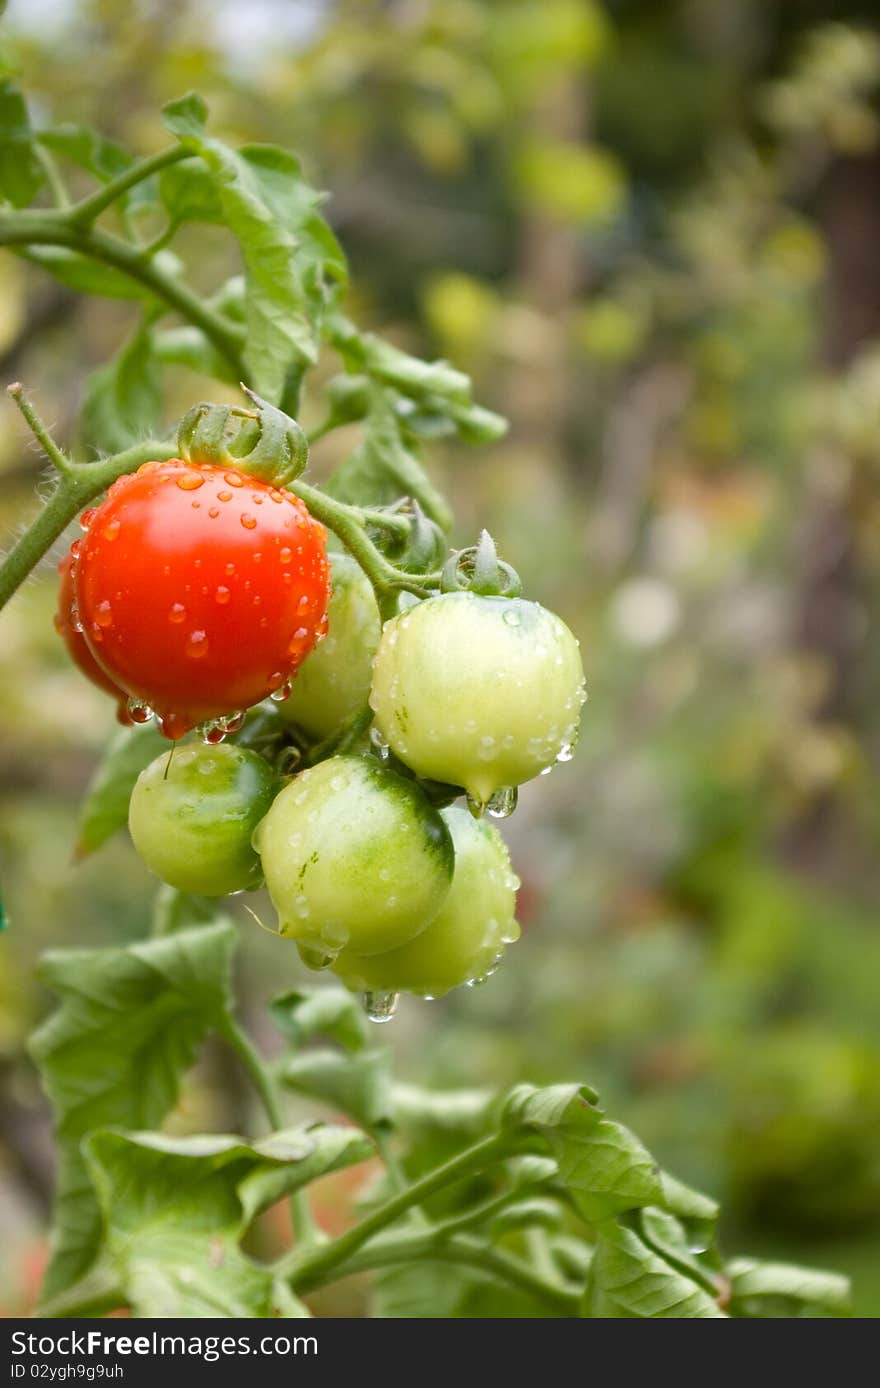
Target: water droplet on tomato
[[257, 558], [230, 569], [87, 517], [190, 481], [285, 554], [214, 512], [257, 498], [566, 752], [248, 521], [502, 802], [75, 549], [138, 711], [234, 479], [380, 1007], [282, 692], [177, 612], [300, 634], [197, 645], [224, 496], [303, 603], [104, 614], [222, 595], [314, 958], [511, 617]]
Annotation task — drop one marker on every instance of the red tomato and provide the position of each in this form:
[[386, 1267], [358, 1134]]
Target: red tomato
[[68, 626], [200, 590]]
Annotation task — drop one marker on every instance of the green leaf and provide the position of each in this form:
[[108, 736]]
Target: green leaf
[[287, 252], [189, 347], [21, 173], [85, 276], [383, 469], [316, 1011], [357, 1084], [605, 1169], [189, 193], [325, 1148], [783, 1291], [130, 1023], [697, 1212], [123, 400], [429, 1290], [461, 1113], [173, 1216], [83, 146], [628, 1280], [105, 808]]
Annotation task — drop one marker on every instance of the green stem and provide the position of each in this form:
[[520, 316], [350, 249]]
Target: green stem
[[53, 177], [54, 228], [462, 1250], [91, 207], [304, 1228], [58, 459], [74, 490], [348, 522], [315, 1267]]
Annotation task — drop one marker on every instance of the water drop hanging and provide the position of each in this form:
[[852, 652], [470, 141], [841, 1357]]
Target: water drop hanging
[[380, 1007]]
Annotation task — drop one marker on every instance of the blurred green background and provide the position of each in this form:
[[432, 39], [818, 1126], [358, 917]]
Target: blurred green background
[[650, 231]]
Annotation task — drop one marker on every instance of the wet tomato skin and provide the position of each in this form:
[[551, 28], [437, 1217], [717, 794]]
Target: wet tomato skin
[[67, 626], [200, 590]]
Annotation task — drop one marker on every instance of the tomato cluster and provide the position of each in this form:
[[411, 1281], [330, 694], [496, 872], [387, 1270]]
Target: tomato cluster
[[196, 592]]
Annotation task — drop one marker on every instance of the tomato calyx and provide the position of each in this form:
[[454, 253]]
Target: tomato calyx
[[263, 443], [478, 569]]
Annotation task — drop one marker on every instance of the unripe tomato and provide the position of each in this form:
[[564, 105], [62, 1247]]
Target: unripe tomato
[[69, 628], [334, 680], [466, 939], [192, 817], [200, 590], [354, 855], [480, 692]]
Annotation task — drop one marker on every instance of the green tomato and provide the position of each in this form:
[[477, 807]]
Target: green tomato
[[192, 814], [466, 939], [480, 692], [354, 854], [334, 681]]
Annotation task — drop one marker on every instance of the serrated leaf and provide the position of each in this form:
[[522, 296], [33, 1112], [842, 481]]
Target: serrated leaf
[[123, 400], [358, 1084], [174, 1215], [129, 1025], [628, 1280], [330, 1012], [784, 1291], [105, 808], [382, 469], [21, 173], [604, 1167], [287, 253]]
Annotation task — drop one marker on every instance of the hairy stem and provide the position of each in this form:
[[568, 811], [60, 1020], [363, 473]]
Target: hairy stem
[[74, 490]]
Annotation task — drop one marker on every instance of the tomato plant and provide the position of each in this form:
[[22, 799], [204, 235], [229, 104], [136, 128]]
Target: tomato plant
[[198, 587]]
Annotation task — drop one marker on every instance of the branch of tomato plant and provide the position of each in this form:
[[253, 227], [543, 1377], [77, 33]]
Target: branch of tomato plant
[[313, 1267], [80, 483], [77, 485], [461, 1249], [62, 227]]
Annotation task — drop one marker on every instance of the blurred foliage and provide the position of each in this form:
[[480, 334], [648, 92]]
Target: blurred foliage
[[650, 233]]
